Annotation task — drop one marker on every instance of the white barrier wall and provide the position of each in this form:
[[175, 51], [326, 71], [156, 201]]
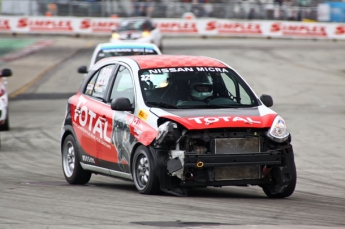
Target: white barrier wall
[[176, 27]]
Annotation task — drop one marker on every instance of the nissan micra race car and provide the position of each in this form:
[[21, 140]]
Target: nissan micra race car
[[171, 123]]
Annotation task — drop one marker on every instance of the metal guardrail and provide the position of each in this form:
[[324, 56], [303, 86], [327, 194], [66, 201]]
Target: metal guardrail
[[236, 9]]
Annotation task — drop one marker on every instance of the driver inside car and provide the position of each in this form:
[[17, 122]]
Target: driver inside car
[[200, 88]]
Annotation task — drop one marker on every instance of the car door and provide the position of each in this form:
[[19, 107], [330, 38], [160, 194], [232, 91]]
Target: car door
[[117, 156], [87, 122]]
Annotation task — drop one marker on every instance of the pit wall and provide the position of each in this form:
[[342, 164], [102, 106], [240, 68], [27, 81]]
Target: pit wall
[[210, 27]]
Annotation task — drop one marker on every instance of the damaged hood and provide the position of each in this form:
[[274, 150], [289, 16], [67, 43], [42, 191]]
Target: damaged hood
[[252, 117]]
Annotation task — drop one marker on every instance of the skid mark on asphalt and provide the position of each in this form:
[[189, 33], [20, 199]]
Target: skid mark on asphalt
[[26, 51], [41, 96]]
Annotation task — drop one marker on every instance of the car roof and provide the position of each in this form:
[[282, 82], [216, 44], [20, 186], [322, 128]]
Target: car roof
[[126, 45], [166, 61]]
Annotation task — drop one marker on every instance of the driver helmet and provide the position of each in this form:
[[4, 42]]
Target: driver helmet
[[201, 87]]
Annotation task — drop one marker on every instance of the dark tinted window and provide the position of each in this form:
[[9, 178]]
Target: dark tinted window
[[139, 25], [124, 52]]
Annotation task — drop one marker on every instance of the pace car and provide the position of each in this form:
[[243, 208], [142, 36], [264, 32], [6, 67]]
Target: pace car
[[4, 111], [138, 29], [171, 123]]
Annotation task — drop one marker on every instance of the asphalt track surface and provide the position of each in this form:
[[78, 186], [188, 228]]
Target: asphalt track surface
[[306, 80]]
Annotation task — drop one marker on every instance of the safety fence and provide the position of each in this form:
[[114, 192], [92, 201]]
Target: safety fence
[[175, 27], [234, 9]]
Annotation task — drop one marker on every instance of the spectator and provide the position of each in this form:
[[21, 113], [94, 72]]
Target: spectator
[[197, 8], [208, 7], [149, 8], [137, 8]]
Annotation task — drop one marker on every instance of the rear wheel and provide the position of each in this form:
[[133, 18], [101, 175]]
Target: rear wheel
[[73, 172], [272, 190], [144, 172]]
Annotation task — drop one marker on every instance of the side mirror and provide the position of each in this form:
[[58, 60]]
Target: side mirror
[[6, 72], [266, 100], [121, 104], [82, 69]]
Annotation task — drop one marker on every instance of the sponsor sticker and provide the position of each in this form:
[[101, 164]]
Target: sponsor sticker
[[143, 115], [187, 69]]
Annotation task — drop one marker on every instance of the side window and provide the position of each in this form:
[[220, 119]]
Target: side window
[[230, 86], [245, 98], [91, 84], [98, 83], [123, 85]]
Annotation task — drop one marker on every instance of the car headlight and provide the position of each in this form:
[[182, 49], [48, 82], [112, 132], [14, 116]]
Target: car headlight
[[145, 34], [278, 131], [115, 36]]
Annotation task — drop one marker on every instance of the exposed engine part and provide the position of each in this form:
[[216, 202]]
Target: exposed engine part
[[188, 175], [266, 170], [183, 145], [180, 138], [176, 163], [164, 129], [173, 165], [199, 149]]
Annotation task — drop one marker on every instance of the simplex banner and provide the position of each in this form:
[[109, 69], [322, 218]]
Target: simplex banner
[[175, 27]]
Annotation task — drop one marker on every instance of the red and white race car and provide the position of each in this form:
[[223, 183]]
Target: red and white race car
[[170, 123], [4, 111]]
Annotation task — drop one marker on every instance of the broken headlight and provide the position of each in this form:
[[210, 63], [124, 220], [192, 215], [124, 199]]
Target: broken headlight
[[278, 131]]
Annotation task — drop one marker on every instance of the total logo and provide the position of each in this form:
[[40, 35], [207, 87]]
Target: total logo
[[86, 116], [210, 120]]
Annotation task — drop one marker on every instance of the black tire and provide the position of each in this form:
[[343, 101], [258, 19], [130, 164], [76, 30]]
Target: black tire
[[6, 125], [144, 172], [288, 191], [72, 170]]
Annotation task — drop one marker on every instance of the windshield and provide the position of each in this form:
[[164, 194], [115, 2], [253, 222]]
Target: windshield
[[124, 52], [195, 87], [139, 25]]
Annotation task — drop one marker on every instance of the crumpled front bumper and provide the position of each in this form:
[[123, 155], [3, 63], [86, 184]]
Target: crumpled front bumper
[[200, 170]]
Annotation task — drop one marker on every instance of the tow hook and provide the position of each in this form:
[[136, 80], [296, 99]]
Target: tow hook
[[200, 164]]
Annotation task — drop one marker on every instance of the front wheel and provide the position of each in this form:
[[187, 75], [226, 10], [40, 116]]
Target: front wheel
[[144, 172], [279, 190], [72, 170]]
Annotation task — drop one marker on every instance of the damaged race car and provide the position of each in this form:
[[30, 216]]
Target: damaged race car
[[170, 123]]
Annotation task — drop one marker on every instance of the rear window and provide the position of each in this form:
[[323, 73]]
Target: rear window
[[124, 52]]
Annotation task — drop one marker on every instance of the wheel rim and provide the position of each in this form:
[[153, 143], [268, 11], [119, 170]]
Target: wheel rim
[[68, 159], [142, 171]]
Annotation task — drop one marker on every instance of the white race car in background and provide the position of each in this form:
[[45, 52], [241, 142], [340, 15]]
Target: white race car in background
[[140, 29], [4, 117], [105, 50]]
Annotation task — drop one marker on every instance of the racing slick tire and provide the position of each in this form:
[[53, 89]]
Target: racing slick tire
[[6, 125], [144, 172], [72, 170], [270, 192]]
